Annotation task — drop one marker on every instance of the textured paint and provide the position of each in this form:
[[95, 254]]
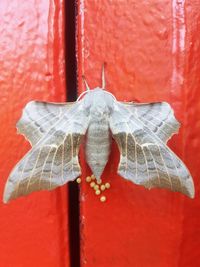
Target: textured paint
[[151, 49], [33, 230]]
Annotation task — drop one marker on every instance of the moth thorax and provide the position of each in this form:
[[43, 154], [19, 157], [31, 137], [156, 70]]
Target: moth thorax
[[97, 147]]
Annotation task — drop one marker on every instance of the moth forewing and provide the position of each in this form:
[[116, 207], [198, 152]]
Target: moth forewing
[[53, 159]]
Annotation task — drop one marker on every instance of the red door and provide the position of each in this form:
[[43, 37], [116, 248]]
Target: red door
[[33, 230], [152, 53]]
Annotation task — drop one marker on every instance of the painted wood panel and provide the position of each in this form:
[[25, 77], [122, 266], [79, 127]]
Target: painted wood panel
[[151, 49], [33, 229]]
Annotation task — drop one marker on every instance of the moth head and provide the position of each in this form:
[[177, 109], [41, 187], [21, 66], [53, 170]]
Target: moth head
[[98, 102], [98, 97]]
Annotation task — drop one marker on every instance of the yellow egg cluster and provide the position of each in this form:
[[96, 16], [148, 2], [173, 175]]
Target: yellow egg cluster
[[98, 186]]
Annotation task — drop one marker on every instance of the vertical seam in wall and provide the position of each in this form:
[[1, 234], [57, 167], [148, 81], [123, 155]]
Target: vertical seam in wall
[[71, 85]]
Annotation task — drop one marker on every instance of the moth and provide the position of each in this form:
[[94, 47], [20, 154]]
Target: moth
[[56, 131]]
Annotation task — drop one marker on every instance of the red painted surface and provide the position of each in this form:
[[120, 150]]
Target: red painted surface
[[33, 230], [152, 50]]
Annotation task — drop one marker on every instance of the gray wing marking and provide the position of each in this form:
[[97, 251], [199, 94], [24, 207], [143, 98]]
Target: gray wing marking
[[38, 117], [158, 117], [53, 160], [145, 159]]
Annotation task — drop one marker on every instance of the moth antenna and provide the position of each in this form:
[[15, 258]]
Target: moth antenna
[[86, 84], [103, 77]]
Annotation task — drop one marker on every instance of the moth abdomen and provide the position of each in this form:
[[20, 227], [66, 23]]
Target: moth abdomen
[[97, 146]]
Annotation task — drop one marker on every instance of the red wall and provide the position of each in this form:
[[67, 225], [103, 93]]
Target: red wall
[[33, 230], [152, 52]]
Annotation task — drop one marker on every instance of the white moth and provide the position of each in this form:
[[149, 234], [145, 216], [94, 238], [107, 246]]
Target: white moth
[[56, 131]]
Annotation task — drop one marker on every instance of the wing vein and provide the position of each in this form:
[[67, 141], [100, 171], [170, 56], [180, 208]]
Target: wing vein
[[171, 156], [146, 167], [169, 177], [52, 163], [44, 165], [155, 164], [72, 152], [30, 177]]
